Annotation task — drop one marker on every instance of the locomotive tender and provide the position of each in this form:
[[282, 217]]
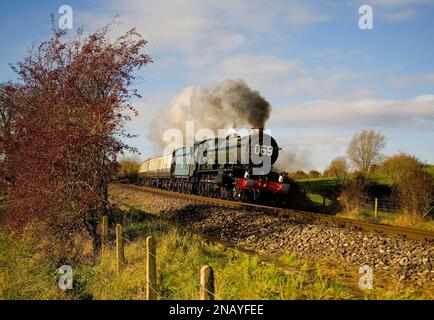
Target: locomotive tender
[[235, 168]]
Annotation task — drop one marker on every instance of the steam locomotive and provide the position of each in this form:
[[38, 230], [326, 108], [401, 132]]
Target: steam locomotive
[[234, 168]]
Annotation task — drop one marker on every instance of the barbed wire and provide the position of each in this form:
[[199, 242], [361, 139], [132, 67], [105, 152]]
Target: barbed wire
[[383, 204], [171, 268]]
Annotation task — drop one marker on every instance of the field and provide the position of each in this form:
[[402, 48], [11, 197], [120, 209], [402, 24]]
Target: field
[[26, 274], [328, 187], [180, 256]]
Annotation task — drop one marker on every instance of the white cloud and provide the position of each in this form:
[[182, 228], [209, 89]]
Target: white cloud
[[206, 37], [196, 25], [324, 128], [282, 77], [340, 55], [257, 68], [303, 15], [403, 82], [417, 112], [168, 24], [405, 14], [394, 11], [399, 3], [272, 75], [212, 41], [148, 107]]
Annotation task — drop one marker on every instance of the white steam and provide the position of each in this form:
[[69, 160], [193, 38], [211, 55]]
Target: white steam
[[290, 160], [230, 104]]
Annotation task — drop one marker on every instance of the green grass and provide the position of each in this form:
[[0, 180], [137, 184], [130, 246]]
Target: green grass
[[318, 199], [323, 185], [317, 187], [26, 275], [180, 257]]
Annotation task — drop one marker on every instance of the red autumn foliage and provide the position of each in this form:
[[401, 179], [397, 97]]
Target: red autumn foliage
[[69, 115]]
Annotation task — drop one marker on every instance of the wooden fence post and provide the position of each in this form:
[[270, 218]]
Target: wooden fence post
[[151, 269], [120, 257], [376, 208], [104, 234], [206, 283]]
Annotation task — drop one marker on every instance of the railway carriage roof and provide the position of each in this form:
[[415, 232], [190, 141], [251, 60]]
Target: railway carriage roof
[[155, 157]]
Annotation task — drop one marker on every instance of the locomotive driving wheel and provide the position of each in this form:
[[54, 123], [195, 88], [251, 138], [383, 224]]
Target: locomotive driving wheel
[[240, 195]]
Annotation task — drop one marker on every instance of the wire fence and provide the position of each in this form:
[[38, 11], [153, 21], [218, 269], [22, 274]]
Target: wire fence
[[170, 267], [390, 205], [382, 204], [205, 286]]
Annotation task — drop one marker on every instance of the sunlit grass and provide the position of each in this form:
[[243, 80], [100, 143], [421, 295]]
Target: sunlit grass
[[392, 218], [24, 274], [318, 199], [180, 255]]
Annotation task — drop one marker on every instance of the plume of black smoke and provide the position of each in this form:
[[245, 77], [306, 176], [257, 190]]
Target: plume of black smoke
[[230, 104], [290, 161]]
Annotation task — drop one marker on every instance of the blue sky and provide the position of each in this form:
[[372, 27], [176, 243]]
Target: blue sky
[[325, 78]]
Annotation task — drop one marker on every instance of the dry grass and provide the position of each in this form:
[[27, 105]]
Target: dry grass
[[180, 255], [392, 218]]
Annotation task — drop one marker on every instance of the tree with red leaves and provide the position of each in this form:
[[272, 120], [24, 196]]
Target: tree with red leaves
[[69, 116]]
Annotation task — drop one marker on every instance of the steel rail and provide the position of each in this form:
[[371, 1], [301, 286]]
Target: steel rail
[[407, 232]]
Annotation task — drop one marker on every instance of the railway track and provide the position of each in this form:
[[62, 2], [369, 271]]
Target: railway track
[[409, 233]]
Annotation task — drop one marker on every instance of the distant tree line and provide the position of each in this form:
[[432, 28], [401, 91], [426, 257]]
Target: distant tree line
[[410, 180], [128, 169]]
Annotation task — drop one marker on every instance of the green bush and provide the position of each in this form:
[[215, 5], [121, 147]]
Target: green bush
[[128, 169], [412, 184]]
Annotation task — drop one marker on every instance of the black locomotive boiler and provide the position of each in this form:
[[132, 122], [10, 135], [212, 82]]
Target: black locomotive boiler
[[233, 168]]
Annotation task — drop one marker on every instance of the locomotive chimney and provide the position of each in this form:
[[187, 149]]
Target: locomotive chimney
[[258, 131]]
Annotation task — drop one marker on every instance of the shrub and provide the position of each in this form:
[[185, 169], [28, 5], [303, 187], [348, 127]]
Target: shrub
[[337, 168], [353, 195], [314, 174], [412, 184], [415, 192], [128, 169], [397, 165], [70, 114], [300, 174]]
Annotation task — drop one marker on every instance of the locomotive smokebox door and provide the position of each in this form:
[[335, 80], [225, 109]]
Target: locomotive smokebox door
[[263, 151]]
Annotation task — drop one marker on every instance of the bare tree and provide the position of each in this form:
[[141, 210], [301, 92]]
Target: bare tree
[[365, 149]]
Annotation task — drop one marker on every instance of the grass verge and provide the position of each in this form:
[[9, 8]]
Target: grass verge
[[180, 257], [25, 274]]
